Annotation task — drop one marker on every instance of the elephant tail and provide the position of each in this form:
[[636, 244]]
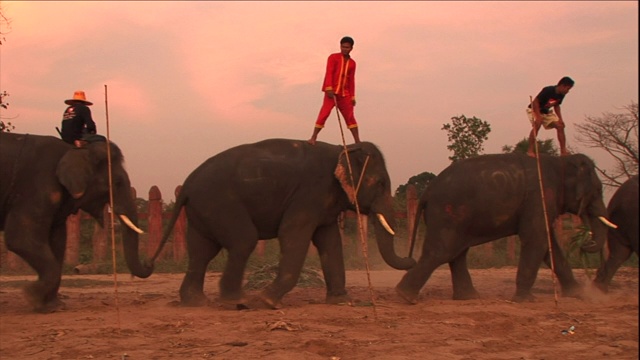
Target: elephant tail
[[181, 201], [422, 205]]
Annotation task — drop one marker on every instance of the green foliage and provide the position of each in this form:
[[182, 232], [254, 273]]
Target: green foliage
[[142, 205], [5, 126], [420, 181], [466, 136], [261, 277], [582, 236], [544, 147]]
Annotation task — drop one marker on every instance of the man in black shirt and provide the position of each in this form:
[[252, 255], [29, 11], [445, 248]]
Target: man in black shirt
[[546, 111], [76, 120]]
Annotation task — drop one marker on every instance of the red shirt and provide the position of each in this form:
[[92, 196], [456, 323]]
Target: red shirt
[[340, 75]]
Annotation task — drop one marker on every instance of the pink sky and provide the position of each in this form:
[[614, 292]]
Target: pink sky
[[187, 80]]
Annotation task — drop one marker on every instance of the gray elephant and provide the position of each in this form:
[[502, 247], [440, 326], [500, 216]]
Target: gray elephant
[[623, 241], [489, 197], [44, 180], [284, 189]]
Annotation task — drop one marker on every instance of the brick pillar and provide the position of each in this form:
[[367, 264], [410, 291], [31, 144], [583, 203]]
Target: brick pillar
[[155, 222], [101, 237], [412, 208], [72, 255], [179, 233]]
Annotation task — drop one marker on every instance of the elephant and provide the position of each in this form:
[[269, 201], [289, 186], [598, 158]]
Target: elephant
[[43, 181], [623, 211], [488, 197], [285, 189]]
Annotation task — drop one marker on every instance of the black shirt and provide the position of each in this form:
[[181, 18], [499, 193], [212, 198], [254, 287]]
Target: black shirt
[[77, 121], [548, 98]]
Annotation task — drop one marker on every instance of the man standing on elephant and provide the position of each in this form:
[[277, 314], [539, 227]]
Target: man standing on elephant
[[339, 89], [77, 120], [545, 110]]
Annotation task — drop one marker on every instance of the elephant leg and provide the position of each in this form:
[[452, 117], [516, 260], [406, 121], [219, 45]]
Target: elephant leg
[[58, 246], [201, 251], [240, 243], [562, 269], [531, 256], [618, 254], [414, 279], [329, 244], [26, 240], [440, 247], [293, 251], [461, 279]]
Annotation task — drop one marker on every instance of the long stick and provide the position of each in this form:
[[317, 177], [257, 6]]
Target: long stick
[[112, 217], [544, 206], [363, 242]]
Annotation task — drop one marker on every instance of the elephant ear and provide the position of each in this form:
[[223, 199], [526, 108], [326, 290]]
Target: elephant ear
[[74, 171], [342, 173]]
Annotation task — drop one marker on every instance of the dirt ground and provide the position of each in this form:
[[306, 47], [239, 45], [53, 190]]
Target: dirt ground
[[144, 322]]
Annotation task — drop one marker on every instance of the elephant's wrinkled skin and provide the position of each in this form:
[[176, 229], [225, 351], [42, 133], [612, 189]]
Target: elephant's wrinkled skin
[[42, 181], [623, 241], [285, 189], [489, 197]]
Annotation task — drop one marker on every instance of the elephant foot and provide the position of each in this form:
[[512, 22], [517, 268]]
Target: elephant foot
[[466, 294], [237, 300], [523, 297], [193, 300], [574, 292], [338, 299], [269, 301], [603, 287], [52, 306], [408, 296], [41, 306]]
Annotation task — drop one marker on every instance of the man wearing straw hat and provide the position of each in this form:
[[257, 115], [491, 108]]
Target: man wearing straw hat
[[77, 121]]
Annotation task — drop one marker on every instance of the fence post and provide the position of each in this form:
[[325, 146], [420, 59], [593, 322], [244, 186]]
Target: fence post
[[155, 222], [72, 254], [179, 233]]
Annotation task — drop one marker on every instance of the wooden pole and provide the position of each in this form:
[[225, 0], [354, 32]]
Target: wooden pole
[[113, 234], [544, 208]]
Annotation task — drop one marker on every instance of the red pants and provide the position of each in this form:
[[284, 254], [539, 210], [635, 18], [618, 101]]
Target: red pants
[[345, 105]]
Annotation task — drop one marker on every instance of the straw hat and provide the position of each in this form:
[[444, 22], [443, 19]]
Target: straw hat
[[78, 96]]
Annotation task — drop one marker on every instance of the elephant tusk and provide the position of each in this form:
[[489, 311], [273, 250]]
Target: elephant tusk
[[384, 223], [130, 224], [607, 222]]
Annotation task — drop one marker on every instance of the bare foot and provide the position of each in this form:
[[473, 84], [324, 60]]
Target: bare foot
[[531, 153], [312, 141], [564, 153]]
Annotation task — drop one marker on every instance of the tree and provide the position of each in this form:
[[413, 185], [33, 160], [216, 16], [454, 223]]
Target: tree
[[616, 134], [544, 147], [142, 205], [420, 181], [4, 22], [466, 136]]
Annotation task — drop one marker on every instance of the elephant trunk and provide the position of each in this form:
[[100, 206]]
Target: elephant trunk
[[598, 235], [385, 240], [130, 245], [599, 227]]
